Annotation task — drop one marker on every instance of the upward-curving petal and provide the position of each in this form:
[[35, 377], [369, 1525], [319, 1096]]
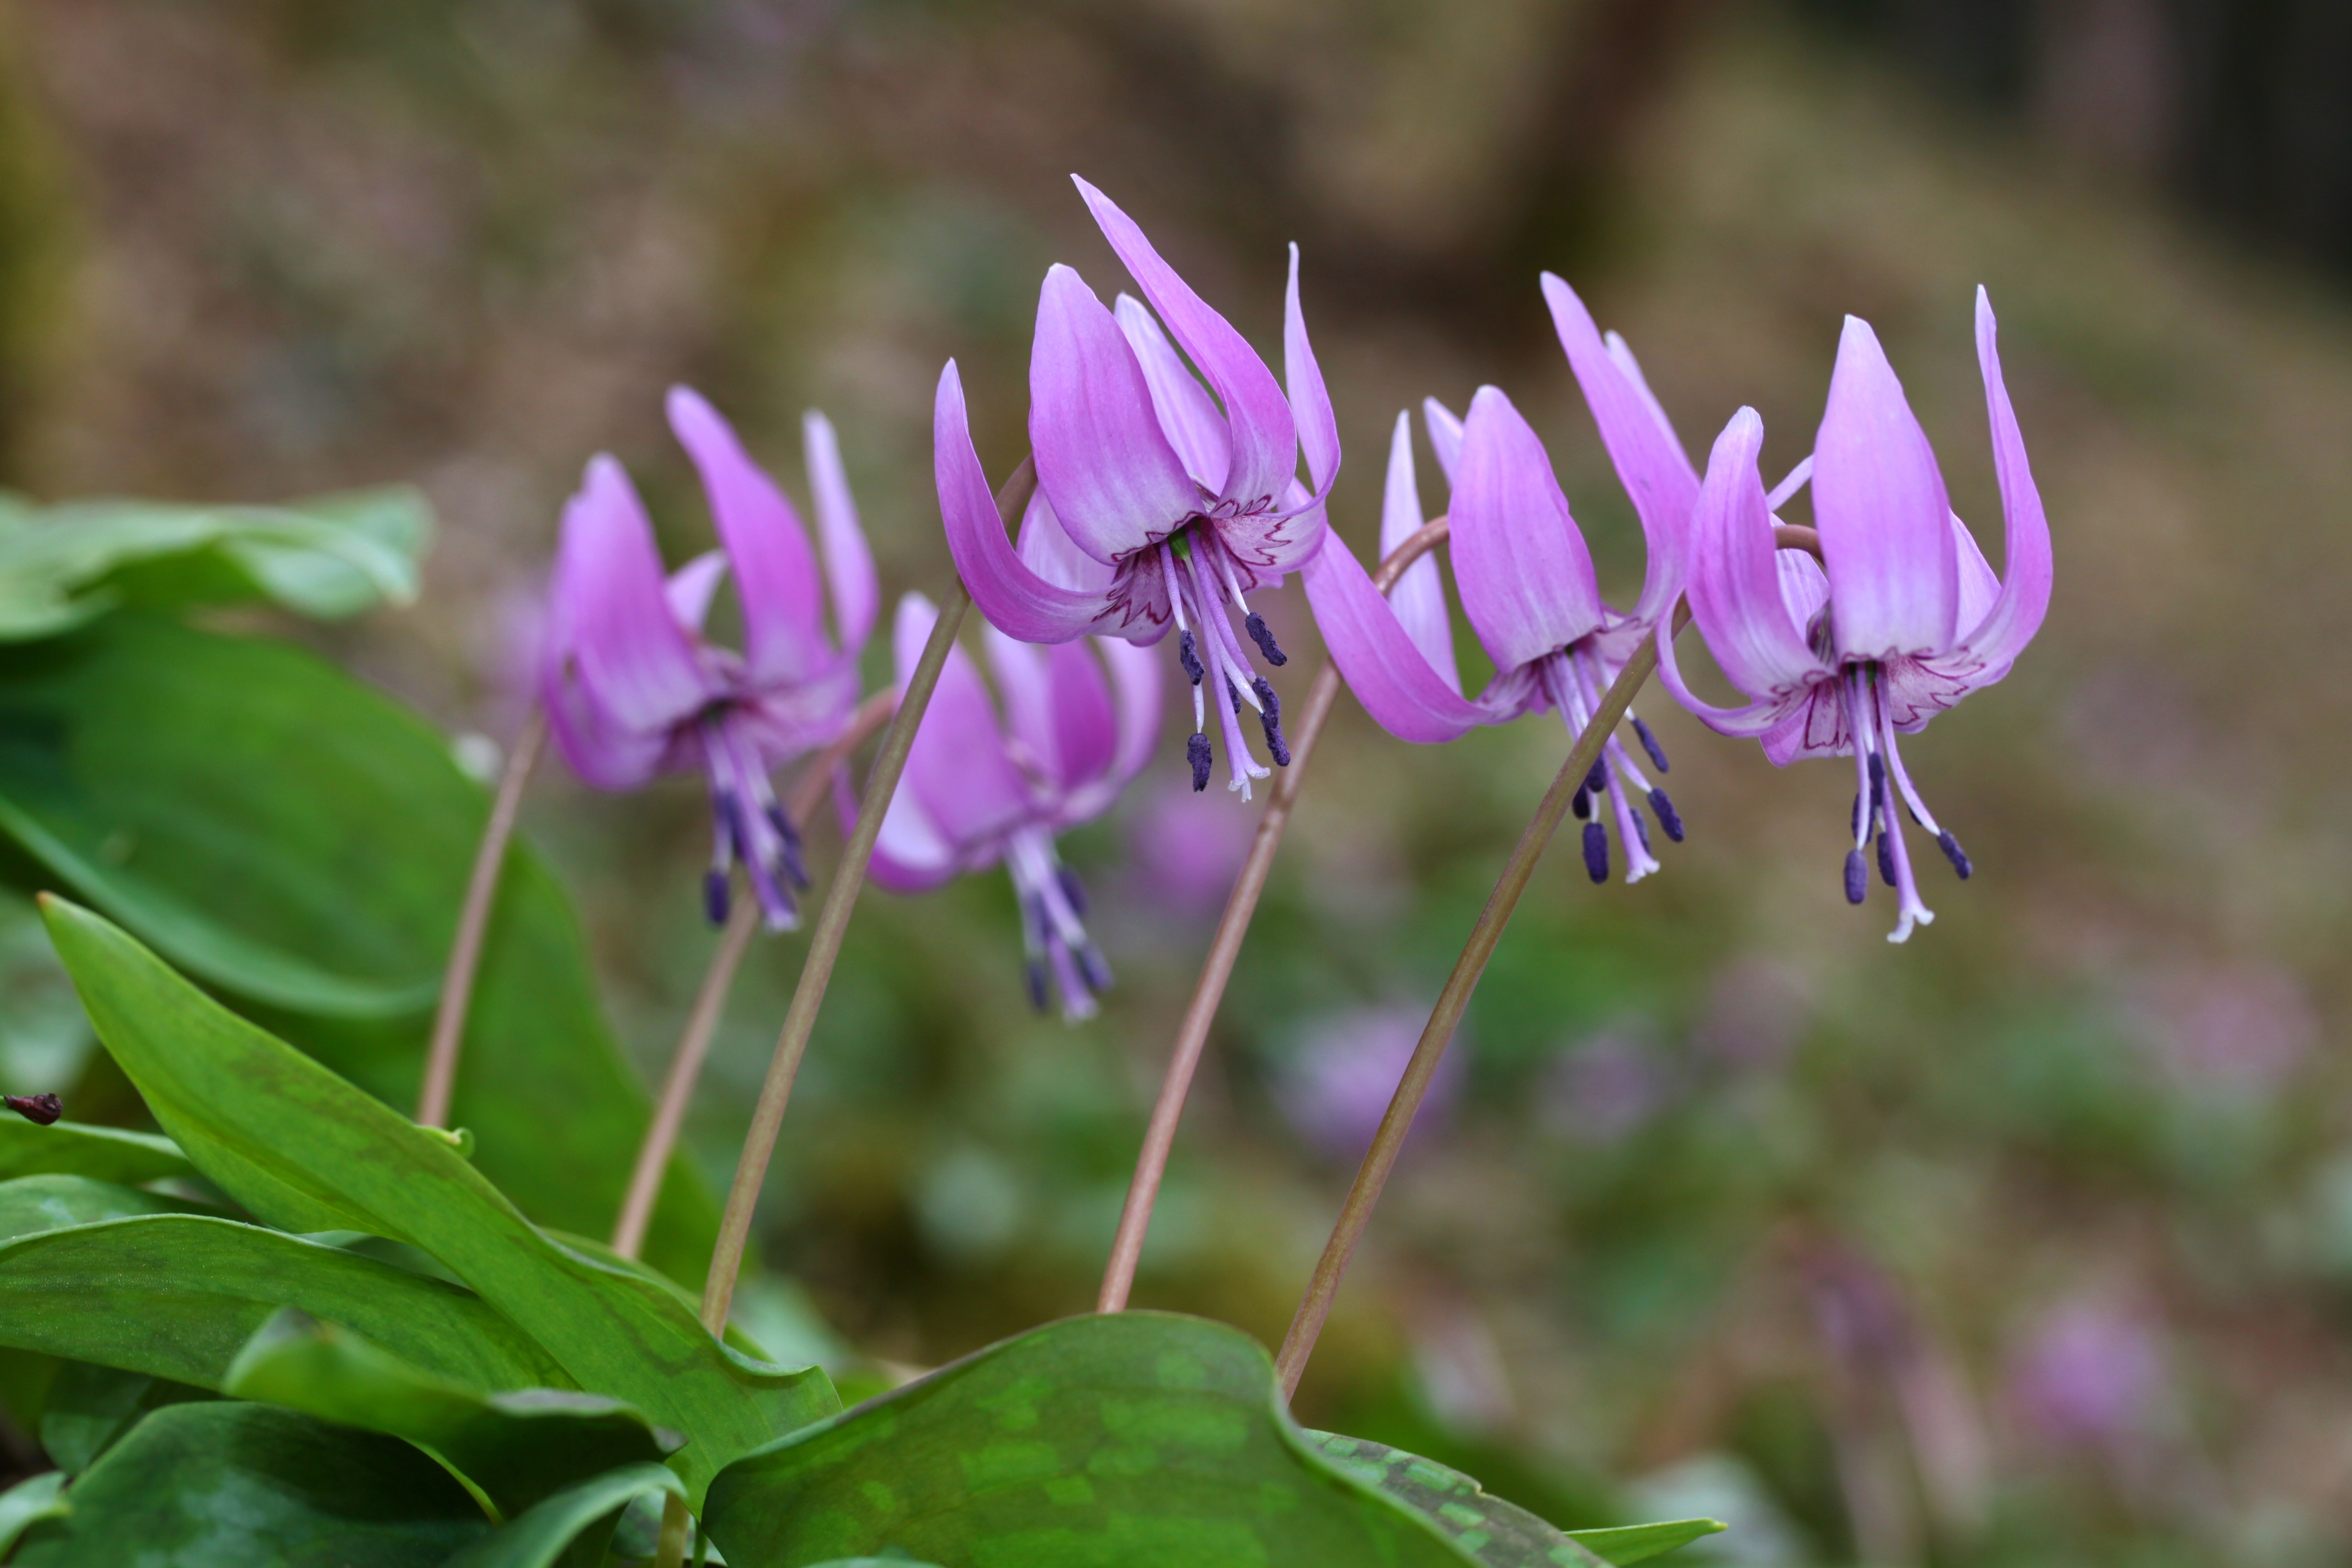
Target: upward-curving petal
[[1264, 442], [848, 563], [1419, 596], [776, 579], [1884, 517], [1310, 401], [1445, 435], [1650, 462], [1014, 596], [1525, 577], [639, 665], [1738, 594], [1381, 664], [958, 768], [1116, 482], [1187, 413], [2024, 597]]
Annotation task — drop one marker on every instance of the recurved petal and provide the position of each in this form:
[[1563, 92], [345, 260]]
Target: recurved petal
[[2016, 615], [1263, 440], [1382, 665], [1755, 721], [1116, 482], [910, 853], [1649, 461], [602, 753], [1884, 517], [1027, 690], [1419, 596], [1310, 401], [1013, 596], [1187, 414], [848, 562], [1979, 589], [691, 586], [626, 643], [1085, 723], [776, 570], [1737, 595], [958, 770], [1445, 435], [1139, 680], [1525, 574]]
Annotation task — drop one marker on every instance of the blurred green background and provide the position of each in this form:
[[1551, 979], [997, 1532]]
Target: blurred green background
[[2028, 1243]]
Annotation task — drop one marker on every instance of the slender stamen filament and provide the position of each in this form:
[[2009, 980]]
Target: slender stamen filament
[[1053, 936], [1910, 911]]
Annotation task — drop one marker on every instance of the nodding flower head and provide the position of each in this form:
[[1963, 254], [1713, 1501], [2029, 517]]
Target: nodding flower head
[[1163, 498], [1527, 584], [1902, 618], [1076, 729], [632, 687]]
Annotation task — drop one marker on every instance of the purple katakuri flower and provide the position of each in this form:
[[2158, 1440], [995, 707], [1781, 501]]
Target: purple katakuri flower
[[1527, 581], [975, 791], [634, 690], [1907, 618], [1160, 501]]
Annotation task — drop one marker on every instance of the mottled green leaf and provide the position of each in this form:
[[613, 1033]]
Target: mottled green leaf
[[1098, 1442], [515, 1447], [574, 1517], [299, 842], [177, 1296], [229, 1485], [75, 1149], [303, 1150], [331, 556], [1498, 1534], [27, 1502]]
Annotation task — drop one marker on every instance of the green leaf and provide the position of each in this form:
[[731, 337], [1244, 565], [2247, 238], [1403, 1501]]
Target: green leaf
[[76, 1149], [1498, 1534], [177, 1296], [90, 1406], [288, 837], [542, 1537], [512, 1449], [1094, 1442], [28, 1502], [331, 556], [224, 1485], [305, 1150], [31, 1204]]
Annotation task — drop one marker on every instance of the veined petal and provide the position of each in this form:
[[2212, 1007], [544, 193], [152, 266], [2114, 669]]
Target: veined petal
[[1116, 482], [1737, 592], [638, 662], [1015, 599], [1525, 574], [1748, 723], [1445, 435], [2024, 597], [848, 563], [1263, 440], [1419, 596], [776, 570], [1310, 401], [1382, 665], [691, 586], [1884, 516], [1188, 415], [1649, 461], [958, 769]]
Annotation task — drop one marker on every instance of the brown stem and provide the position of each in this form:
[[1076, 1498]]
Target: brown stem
[[832, 923], [710, 997], [474, 924], [1241, 905], [1446, 1017]]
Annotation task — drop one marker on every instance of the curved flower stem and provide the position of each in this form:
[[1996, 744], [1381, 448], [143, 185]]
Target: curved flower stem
[[831, 922], [474, 924], [1241, 905], [710, 997]]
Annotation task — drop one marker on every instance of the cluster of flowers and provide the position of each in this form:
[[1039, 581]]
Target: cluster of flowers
[[1167, 492]]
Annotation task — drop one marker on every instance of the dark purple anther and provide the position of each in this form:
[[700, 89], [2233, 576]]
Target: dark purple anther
[[714, 896], [1255, 626], [1270, 717], [796, 868], [1857, 813], [1234, 695], [1074, 891], [1581, 803], [41, 1109], [1877, 782], [1197, 751], [1037, 984], [1955, 854], [1650, 744], [1857, 877], [1597, 779], [1095, 967], [1886, 859], [1188, 654], [1640, 831], [1596, 851], [1669, 818]]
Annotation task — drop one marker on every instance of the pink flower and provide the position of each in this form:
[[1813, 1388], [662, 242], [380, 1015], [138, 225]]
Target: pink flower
[[1338, 1086]]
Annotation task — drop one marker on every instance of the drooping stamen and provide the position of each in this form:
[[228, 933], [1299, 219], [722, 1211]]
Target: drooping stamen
[[1669, 818], [796, 868], [1597, 781], [1955, 855], [1224, 657], [1035, 970], [1270, 719], [1910, 911], [1877, 784], [1260, 634], [1596, 852], [1857, 877], [1187, 647], [1886, 859], [1095, 967], [1234, 695], [715, 895], [1051, 923], [1073, 892], [1196, 750], [1581, 803], [1188, 654], [1921, 814], [1650, 744]]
